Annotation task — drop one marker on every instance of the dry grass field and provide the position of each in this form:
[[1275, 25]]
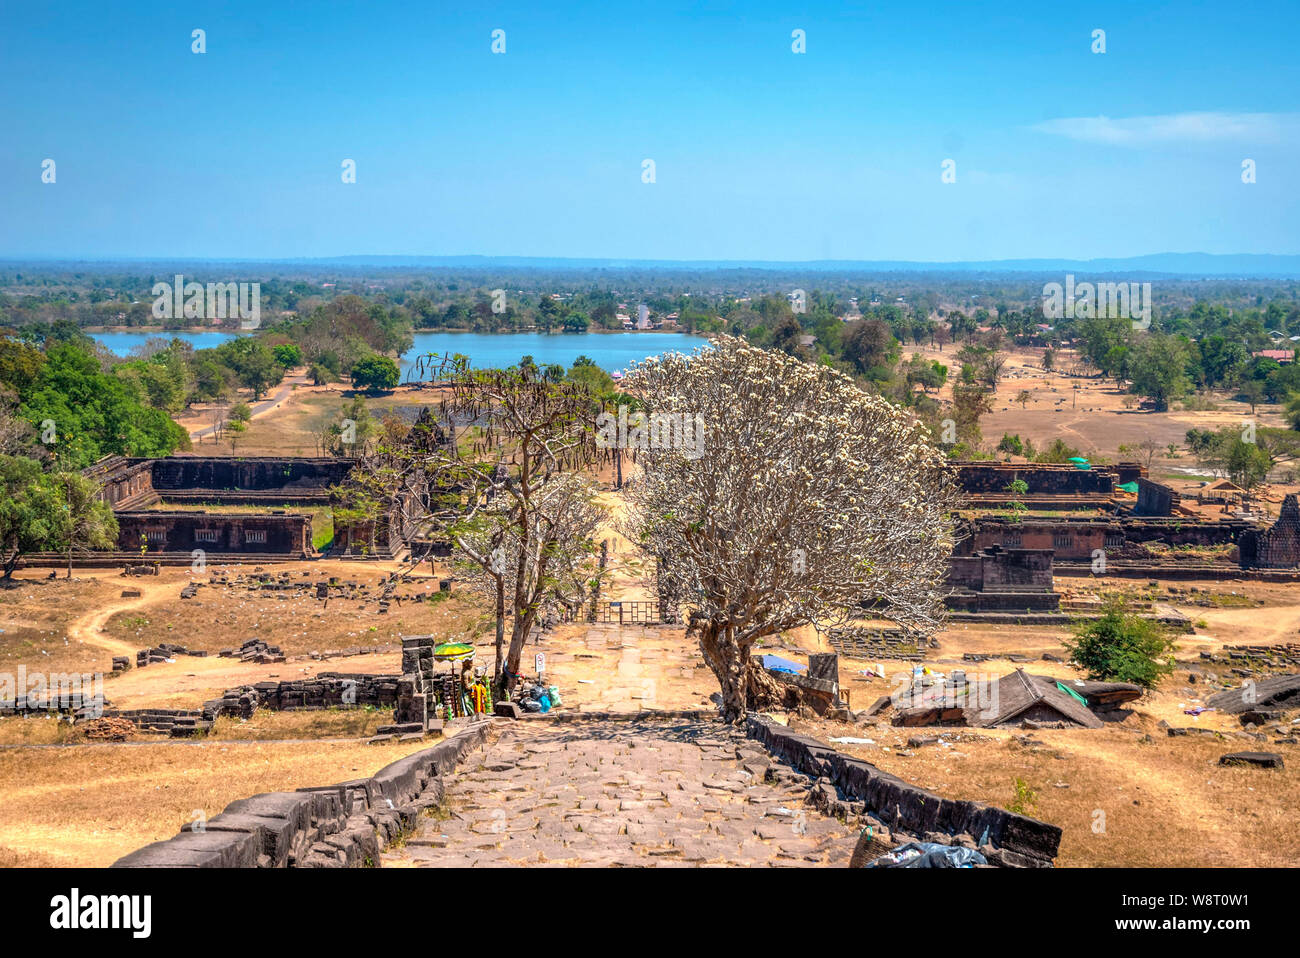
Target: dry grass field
[[1093, 416], [291, 426], [1124, 796], [219, 617], [89, 805]]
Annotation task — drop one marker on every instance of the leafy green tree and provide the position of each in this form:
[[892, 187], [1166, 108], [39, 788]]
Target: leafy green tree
[[85, 522], [1221, 360], [287, 355], [1293, 410], [1252, 390], [928, 374], [1057, 451], [350, 431], [969, 403], [31, 511], [1281, 381], [785, 336], [90, 414], [1248, 463], [1017, 488], [374, 373], [1122, 647], [212, 380], [1011, 445], [1157, 368], [870, 347], [155, 384], [253, 363], [20, 365]]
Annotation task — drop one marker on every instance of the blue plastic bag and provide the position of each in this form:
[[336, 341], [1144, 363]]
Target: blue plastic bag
[[929, 855]]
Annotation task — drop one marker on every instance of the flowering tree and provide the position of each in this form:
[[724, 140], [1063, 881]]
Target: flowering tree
[[811, 498]]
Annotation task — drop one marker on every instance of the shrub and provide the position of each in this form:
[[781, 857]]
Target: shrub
[[1122, 647], [374, 373]]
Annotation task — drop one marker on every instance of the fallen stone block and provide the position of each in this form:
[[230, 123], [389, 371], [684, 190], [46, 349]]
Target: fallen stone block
[[1255, 759]]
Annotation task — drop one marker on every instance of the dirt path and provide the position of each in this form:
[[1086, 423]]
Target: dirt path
[[89, 628], [1273, 624], [624, 794], [260, 408]]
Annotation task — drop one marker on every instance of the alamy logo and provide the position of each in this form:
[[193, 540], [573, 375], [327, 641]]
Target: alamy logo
[[53, 691], [73, 911], [215, 301], [659, 430], [1089, 300]]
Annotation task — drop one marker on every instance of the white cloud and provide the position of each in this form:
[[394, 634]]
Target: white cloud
[[1175, 128]]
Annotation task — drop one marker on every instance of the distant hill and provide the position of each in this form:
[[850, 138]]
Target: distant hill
[[1151, 266], [1158, 264]]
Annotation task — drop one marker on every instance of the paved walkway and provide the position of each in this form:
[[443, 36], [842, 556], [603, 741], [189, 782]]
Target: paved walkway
[[619, 793]]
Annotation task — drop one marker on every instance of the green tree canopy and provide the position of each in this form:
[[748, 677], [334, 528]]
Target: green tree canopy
[[374, 373]]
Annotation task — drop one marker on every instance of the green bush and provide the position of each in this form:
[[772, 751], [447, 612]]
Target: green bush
[[1122, 647]]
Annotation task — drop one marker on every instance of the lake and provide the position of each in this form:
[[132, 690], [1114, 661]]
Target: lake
[[121, 343], [610, 351]]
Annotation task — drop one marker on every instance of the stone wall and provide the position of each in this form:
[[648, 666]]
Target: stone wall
[[1155, 498], [124, 483], [74, 705], [326, 690], [331, 826], [277, 532], [291, 477], [177, 723], [130, 482], [1014, 840], [996, 569], [385, 535], [992, 478], [1277, 547], [1078, 539], [1002, 580], [863, 643]]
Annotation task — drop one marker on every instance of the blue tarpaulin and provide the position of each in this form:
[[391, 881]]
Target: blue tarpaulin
[[777, 664]]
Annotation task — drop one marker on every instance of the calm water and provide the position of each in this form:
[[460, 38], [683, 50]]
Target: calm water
[[122, 343], [610, 351]]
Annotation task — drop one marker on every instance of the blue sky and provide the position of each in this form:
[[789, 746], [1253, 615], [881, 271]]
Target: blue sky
[[760, 153]]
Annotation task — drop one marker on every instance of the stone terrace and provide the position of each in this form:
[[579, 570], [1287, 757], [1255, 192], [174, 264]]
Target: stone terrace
[[621, 793]]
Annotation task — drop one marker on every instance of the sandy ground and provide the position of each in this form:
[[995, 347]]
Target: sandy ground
[[1090, 414]]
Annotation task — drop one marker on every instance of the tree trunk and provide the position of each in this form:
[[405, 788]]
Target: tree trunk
[[729, 663], [501, 629], [518, 636]]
